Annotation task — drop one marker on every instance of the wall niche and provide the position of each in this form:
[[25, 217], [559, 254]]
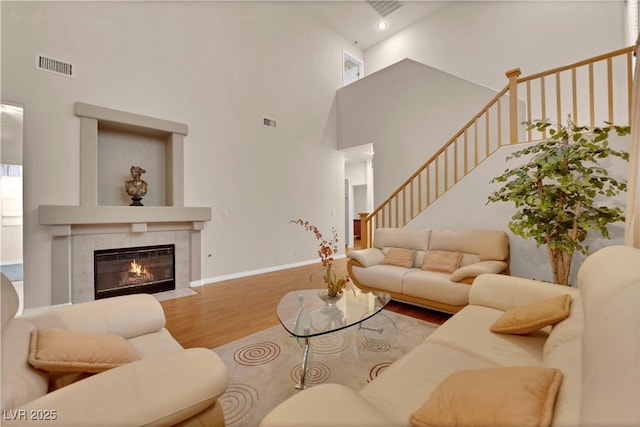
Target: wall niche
[[118, 150], [111, 141]]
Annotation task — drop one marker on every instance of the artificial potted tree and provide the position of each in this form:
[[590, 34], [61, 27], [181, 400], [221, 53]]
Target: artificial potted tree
[[556, 192]]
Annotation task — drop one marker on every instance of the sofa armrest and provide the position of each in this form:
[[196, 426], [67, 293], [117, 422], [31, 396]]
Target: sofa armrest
[[505, 292], [158, 391], [478, 268], [128, 316], [348, 408], [367, 257]]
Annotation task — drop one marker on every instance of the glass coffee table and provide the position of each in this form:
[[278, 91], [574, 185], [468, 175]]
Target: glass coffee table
[[304, 314]]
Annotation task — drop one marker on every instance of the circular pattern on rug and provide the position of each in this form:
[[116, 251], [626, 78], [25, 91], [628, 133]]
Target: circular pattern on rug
[[376, 345], [380, 327], [237, 401], [256, 354], [316, 373], [330, 343], [377, 369]]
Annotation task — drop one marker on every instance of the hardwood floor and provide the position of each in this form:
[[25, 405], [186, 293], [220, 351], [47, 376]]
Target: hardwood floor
[[226, 311]]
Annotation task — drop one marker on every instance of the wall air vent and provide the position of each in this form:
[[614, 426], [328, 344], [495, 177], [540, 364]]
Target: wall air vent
[[269, 122], [56, 66], [385, 7]]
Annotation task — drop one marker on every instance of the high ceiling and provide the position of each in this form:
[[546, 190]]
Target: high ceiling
[[356, 20]]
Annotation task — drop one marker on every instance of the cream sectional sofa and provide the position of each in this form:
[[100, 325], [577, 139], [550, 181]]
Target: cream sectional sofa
[[168, 386], [482, 251], [597, 349]]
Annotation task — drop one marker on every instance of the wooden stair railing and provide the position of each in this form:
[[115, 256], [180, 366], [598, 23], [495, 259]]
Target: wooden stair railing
[[590, 92]]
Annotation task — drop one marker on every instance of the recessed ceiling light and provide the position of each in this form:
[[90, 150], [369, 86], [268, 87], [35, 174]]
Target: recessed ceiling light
[[381, 25]]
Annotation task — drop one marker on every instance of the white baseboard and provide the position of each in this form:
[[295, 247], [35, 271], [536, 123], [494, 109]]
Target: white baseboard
[[216, 279]]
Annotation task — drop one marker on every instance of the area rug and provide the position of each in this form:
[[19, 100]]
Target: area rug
[[265, 367]]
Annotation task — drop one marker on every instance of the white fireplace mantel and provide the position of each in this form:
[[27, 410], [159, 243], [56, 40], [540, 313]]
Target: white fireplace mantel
[[90, 215], [80, 229]]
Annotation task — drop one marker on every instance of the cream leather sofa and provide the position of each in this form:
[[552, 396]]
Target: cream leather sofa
[[168, 386], [483, 251], [597, 348]]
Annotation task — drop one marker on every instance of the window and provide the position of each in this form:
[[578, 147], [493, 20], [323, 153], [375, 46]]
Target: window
[[353, 69]]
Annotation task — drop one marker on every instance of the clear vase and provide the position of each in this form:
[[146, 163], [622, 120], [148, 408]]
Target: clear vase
[[325, 296], [331, 286]]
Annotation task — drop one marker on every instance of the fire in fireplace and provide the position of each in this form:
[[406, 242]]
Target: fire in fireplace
[[125, 271]]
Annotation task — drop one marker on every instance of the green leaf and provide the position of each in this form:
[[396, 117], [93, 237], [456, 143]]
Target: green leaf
[[560, 183]]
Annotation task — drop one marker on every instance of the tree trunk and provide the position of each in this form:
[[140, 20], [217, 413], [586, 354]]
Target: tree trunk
[[553, 260], [567, 258], [560, 265]]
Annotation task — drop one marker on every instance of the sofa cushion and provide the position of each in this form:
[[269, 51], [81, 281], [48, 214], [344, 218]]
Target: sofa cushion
[[569, 329], [406, 237], [487, 244], [609, 281], [367, 257], [469, 331], [159, 391], [10, 302], [21, 383], [443, 261], [347, 407], [62, 350], [469, 259], [154, 344], [568, 358], [435, 286], [404, 385], [400, 257], [387, 278], [114, 316], [492, 397], [527, 318], [480, 267]]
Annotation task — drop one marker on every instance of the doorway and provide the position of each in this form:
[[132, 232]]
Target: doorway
[[358, 188], [353, 69], [11, 189]]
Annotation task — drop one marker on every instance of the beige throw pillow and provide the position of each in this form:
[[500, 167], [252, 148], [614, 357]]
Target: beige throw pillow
[[528, 318], [61, 350], [400, 257], [497, 397], [442, 261]]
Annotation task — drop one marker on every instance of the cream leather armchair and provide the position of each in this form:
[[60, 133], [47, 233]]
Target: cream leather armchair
[[168, 386]]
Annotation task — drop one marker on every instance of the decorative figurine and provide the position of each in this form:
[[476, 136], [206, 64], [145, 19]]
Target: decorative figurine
[[136, 188]]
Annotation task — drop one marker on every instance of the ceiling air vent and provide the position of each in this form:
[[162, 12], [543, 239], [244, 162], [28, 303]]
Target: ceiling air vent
[[385, 7], [56, 66]]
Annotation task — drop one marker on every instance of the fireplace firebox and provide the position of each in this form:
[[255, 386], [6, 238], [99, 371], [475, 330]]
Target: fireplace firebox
[[124, 271]]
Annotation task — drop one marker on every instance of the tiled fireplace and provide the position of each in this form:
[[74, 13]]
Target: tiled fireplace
[[124, 271], [102, 222]]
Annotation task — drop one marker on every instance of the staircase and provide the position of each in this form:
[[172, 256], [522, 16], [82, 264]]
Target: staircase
[[591, 92]]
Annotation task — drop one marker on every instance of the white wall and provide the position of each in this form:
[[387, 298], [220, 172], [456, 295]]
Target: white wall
[[481, 40], [359, 199], [465, 207], [356, 173], [408, 111], [219, 67]]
